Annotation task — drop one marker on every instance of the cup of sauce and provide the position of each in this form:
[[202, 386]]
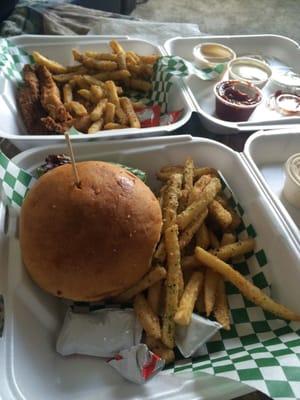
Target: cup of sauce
[[236, 100], [291, 189], [209, 55], [250, 70]]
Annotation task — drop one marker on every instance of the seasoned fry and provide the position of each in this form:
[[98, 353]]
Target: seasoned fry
[[79, 69], [121, 115], [220, 214], [139, 84], [113, 125], [165, 172], [63, 78], [146, 316], [138, 105], [180, 285], [155, 275], [97, 93], [85, 93], [160, 252], [171, 197], [132, 117], [160, 349], [101, 56], [111, 92], [154, 296], [142, 71], [198, 188], [188, 179], [210, 288], [227, 238], [51, 65], [247, 288], [119, 75], [109, 113], [187, 235], [172, 287], [202, 237], [79, 80], [116, 47], [76, 108], [121, 61], [235, 249], [97, 112], [96, 126], [82, 124], [221, 310], [89, 62], [133, 56], [184, 313], [195, 209], [67, 93]]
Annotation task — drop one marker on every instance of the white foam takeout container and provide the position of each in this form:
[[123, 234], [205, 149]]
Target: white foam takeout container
[[267, 153], [279, 51], [31, 368], [59, 48]]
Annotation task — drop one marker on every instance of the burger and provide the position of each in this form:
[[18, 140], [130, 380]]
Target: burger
[[93, 240]]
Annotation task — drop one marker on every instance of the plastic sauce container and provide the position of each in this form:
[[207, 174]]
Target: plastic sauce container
[[249, 70], [285, 81], [209, 55], [291, 189], [236, 100]]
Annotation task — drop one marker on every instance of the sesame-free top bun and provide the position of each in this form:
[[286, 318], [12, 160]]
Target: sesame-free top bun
[[92, 242]]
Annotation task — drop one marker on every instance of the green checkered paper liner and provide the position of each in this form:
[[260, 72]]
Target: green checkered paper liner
[[259, 350], [166, 70]]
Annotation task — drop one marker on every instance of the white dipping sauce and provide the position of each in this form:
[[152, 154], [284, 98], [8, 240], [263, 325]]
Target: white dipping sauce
[[249, 72]]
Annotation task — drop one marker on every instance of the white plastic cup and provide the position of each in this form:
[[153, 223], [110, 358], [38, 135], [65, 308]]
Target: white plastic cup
[[291, 189]]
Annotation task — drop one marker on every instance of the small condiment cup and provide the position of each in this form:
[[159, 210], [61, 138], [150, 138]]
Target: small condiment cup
[[250, 70], [291, 189], [236, 111], [209, 55]]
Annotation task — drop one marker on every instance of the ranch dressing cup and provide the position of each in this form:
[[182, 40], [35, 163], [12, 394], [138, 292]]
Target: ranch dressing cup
[[291, 189], [250, 70]]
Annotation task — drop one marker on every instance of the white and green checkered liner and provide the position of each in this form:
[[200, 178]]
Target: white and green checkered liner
[[15, 181], [13, 58]]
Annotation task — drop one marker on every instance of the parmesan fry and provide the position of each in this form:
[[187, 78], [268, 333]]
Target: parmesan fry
[[97, 93], [139, 84], [113, 125], [121, 61], [165, 172], [151, 59], [77, 108], [111, 92], [109, 113], [51, 65], [96, 126], [198, 188], [121, 116], [172, 287], [187, 235], [85, 93], [227, 238], [119, 75], [155, 275], [247, 288], [218, 213], [63, 78], [67, 93], [221, 310], [116, 47], [188, 179], [101, 56], [235, 249], [89, 62], [98, 111], [132, 117], [195, 209], [146, 316], [184, 313], [171, 198]]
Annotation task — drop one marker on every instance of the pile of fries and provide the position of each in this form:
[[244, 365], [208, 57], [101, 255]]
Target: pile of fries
[[189, 266], [94, 90]]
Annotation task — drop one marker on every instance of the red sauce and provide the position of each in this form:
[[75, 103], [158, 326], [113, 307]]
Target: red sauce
[[234, 93]]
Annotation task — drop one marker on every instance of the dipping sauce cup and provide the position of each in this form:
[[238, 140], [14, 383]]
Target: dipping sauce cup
[[291, 189], [236, 100], [247, 69]]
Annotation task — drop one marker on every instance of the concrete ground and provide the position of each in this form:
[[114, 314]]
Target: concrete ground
[[228, 16]]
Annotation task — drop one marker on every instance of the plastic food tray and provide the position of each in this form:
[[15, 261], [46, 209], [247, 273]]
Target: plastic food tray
[[267, 152], [60, 48], [31, 368], [279, 51]]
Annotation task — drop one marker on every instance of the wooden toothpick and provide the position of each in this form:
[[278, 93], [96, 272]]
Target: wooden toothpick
[[77, 181]]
